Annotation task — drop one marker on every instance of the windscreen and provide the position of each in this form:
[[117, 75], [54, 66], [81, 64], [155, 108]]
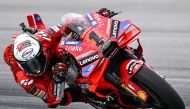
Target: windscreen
[[76, 22]]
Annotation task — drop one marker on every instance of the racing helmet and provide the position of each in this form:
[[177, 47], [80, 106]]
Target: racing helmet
[[28, 53]]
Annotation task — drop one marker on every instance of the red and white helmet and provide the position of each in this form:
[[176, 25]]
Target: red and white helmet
[[28, 53]]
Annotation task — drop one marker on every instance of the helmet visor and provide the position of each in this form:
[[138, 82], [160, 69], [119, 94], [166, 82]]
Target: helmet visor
[[34, 66]]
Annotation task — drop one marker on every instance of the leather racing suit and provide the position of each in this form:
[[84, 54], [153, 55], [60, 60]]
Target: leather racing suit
[[44, 86]]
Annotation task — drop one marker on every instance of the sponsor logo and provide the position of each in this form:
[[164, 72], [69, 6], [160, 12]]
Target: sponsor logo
[[123, 27], [27, 53], [99, 20], [44, 35], [55, 28], [89, 16], [37, 92], [55, 89], [26, 82], [89, 59], [32, 90], [72, 43], [60, 89], [41, 94], [51, 31], [91, 19], [23, 45], [55, 78], [86, 71], [142, 95], [131, 67], [114, 28], [73, 48]]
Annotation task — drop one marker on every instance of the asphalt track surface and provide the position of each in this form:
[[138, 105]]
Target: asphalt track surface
[[165, 36]]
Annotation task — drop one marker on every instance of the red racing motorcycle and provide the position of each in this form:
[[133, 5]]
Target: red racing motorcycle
[[110, 71], [108, 66]]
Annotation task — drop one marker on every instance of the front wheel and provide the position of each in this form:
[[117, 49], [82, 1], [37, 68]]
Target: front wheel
[[162, 95]]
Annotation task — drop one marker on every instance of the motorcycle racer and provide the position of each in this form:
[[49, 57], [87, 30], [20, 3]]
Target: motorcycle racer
[[39, 66]]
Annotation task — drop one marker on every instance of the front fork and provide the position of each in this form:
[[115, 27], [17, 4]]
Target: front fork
[[127, 70]]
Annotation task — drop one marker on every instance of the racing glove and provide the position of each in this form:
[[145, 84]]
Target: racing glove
[[59, 72]]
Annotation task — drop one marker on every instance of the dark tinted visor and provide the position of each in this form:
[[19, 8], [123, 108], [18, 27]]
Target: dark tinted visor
[[35, 66]]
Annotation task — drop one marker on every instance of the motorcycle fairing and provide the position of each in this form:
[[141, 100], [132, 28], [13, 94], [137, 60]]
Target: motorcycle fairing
[[101, 21], [80, 50], [106, 25], [101, 29], [124, 26], [91, 19], [87, 70], [129, 36]]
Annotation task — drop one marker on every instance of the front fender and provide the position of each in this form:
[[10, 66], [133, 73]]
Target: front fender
[[129, 68]]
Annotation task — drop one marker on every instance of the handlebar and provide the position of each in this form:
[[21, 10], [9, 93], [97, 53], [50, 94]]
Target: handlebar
[[25, 29]]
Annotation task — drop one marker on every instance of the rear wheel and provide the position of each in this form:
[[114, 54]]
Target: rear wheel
[[162, 95]]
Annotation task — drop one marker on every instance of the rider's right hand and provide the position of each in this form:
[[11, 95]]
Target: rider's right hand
[[59, 72]]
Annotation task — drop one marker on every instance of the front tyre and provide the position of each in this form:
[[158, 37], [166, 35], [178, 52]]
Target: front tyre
[[165, 97]]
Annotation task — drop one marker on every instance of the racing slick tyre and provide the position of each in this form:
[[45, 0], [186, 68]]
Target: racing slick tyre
[[162, 94]]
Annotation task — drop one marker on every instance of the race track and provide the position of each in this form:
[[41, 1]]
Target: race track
[[165, 36]]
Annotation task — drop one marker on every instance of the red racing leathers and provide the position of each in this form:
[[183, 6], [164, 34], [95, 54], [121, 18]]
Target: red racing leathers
[[42, 86]]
